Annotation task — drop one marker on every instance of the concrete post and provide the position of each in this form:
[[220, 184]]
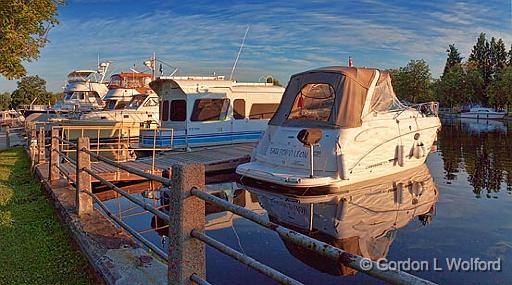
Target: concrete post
[[7, 136], [84, 202], [53, 172], [186, 212], [41, 153]]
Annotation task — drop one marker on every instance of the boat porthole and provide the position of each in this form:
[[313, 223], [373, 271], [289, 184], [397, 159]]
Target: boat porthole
[[416, 136], [410, 128]]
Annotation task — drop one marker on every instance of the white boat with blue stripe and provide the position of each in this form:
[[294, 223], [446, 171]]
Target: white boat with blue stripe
[[209, 111]]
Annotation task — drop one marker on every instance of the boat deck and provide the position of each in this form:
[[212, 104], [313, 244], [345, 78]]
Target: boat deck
[[215, 159]]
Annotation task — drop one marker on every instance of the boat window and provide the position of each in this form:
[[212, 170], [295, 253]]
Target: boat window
[[136, 102], [121, 105], [111, 105], [68, 96], [152, 102], [115, 81], [239, 109], [209, 110], [262, 111], [384, 98], [165, 111], [178, 110], [314, 102]]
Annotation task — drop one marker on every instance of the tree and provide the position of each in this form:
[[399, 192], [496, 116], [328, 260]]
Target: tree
[[462, 83], [480, 55], [5, 100], [24, 26], [500, 90], [30, 88], [453, 59], [510, 56], [413, 82]]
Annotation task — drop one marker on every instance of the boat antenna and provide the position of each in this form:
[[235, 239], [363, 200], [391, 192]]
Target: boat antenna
[[238, 55]]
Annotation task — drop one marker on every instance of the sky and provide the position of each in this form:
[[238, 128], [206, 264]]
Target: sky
[[285, 37]]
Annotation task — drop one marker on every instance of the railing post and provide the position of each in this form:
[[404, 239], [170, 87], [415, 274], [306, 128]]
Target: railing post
[[7, 136], [41, 154], [53, 172], [84, 202], [186, 212]]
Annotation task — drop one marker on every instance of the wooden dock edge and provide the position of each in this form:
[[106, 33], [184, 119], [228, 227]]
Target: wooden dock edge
[[115, 258]]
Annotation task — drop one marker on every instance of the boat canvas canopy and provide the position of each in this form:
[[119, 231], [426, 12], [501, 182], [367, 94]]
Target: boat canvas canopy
[[330, 97]]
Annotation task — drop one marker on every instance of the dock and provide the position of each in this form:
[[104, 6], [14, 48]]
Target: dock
[[215, 159]]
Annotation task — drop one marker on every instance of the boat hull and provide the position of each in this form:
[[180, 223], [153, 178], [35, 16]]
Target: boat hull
[[343, 157], [474, 115]]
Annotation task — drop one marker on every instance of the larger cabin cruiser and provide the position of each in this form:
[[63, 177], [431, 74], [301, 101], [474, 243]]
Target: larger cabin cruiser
[[363, 220], [337, 126], [130, 104], [206, 111], [84, 92]]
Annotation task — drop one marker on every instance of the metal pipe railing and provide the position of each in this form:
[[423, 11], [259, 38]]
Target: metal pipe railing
[[134, 233], [200, 281], [164, 181], [128, 196], [244, 259], [334, 253]]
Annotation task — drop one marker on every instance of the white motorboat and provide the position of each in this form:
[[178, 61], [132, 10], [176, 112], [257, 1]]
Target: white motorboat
[[351, 121], [200, 111], [363, 220], [84, 92], [483, 113]]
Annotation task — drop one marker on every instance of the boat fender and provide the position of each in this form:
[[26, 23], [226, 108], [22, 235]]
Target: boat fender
[[399, 192], [400, 154], [341, 209], [419, 150], [342, 169]]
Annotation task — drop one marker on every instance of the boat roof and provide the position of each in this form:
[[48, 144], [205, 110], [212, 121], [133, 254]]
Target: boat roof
[[132, 74], [361, 75], [81, 73], [353, 95], [190, 84]]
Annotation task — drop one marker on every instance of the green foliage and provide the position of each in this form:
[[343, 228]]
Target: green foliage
[[480, 80], [453, 59], [500, 90], [30, 88], [5, 101], [413, 82], [510, 56], [461, 84], [24, 26], [34, 247]]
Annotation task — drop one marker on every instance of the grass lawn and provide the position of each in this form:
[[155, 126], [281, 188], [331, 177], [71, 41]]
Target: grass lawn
[[34, 247]]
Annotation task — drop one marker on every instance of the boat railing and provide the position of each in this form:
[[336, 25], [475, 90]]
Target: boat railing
[[185, 219], [428, 109]]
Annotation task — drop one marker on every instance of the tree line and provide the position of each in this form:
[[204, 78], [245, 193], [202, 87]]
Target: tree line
[[30, 89], [485, 78]]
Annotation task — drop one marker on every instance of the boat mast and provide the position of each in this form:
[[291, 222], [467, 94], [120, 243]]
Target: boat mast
[[238, 55]]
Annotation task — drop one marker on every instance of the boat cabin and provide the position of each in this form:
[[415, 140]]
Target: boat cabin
[[205, 111], [336, 125], [123, 86], [83, 91]]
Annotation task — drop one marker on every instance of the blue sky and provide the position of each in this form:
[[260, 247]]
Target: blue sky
[[285, 37]]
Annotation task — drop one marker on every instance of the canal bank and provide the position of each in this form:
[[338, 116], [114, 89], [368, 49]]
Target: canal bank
[[34, 247]]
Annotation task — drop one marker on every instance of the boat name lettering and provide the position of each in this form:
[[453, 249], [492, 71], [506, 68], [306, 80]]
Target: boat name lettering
[[288, 152]]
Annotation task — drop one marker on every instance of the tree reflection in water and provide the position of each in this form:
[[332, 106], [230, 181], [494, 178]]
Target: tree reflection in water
[[478, 147]]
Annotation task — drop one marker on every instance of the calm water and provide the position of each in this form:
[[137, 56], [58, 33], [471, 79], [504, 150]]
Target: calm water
[[456, 207]]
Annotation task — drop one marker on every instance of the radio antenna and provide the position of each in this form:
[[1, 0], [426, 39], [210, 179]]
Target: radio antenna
[[238, 55]]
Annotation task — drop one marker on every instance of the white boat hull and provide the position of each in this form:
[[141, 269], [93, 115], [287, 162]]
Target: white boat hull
[[479, 115], [359, 154]]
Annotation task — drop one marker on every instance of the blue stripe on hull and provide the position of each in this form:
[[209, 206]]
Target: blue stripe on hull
[[201, 139]]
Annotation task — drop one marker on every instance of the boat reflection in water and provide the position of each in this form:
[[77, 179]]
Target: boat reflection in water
[[216, 217], [362, 221]]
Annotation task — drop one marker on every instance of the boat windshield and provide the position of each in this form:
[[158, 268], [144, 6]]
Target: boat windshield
[[314, 102], [129, 82], [136, 102]]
